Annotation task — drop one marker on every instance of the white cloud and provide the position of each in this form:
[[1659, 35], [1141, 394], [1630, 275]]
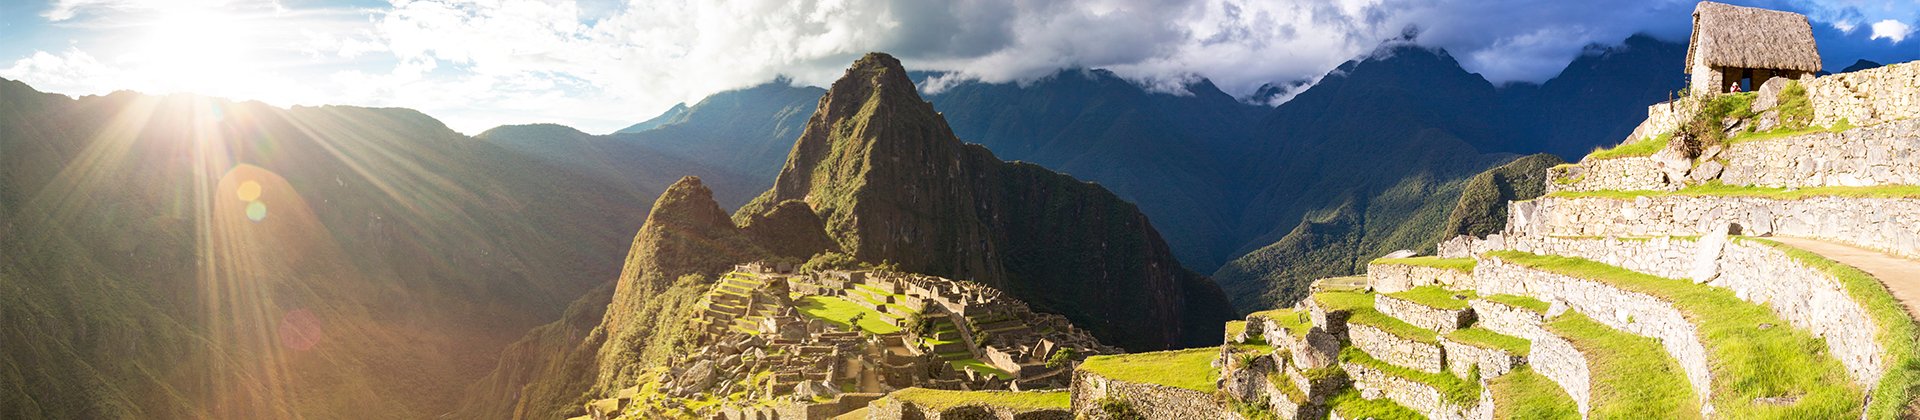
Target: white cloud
[[598, 65], [1893, 30], [72, 71]]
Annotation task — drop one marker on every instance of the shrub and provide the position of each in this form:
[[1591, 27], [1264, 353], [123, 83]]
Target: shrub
[[827, 261], [1060, 358], [1118, 409]]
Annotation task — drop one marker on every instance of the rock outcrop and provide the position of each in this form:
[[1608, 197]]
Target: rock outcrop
[[893, 184]]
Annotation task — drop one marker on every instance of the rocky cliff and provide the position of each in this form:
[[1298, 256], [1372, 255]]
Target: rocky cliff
[[892, 183]]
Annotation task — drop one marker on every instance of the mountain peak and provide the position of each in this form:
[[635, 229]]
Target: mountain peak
[[876, 75]]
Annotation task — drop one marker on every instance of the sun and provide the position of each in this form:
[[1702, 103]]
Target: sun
[[194, 50]]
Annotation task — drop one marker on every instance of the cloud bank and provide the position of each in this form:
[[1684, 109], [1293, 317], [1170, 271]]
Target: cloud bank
[[600, 65]]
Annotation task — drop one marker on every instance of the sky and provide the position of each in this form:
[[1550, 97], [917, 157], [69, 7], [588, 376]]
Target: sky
[[600, 65]]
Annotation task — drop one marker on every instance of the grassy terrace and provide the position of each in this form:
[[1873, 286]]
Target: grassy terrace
[[1633, 377], [1525, 394], [1360, 305], [1451, 387], [1351, 406], [1897, 335], [1645, 146], [1717, 189], [979, 366], [1745, 361], [1843, 125], [1456, 264], [841, 313], [1482, 338], [1191, 369], [1528, 303], [1294, 320], [941, 400], [1436, 297]]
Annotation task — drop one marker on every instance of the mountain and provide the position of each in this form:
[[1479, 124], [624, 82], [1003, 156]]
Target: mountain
[[733, 140], [892, 182], [1482, 208], [1859, 65], [673, 114], [1369, 160], [190, 257], [1159, 150], [608, 337], [876, 174], [1596, 101]]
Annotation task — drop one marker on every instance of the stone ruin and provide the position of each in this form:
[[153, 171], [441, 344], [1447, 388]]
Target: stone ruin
[[754, 341]]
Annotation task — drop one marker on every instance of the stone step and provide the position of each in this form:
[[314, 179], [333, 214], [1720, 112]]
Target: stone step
[[1691, 321], [1434, 395], [1758, 270], [1885, 224], [1389, 275], [1610, 373], [1479, 352], [1429, 307]]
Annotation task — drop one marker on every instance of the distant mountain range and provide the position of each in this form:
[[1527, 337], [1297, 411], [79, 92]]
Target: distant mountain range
[[1384, 140]]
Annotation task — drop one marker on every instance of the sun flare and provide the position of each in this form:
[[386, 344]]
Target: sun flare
[[195, 50]]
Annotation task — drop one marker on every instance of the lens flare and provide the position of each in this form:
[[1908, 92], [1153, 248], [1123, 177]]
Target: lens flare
[[248, 191], [256, 211]]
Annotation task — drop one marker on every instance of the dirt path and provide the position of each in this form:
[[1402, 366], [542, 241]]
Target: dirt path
[[1901, 275]]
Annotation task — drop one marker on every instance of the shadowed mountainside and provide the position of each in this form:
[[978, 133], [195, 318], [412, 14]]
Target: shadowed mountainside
[[182, 256]]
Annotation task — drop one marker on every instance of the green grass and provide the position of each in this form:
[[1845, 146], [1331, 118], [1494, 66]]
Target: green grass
[[1391, 325], [979, 366], [841, 312], [1745, 361], [1235, 329], [1191, 369], [1645, 146], [1343, 301], [1717, 189], [1523, 302], [940, 399], [1897, 335], [1294, 320], [1455, 264], [1360, 306], [1632, 376], [1843, 125], [1436, 297], [1482, 338], [1525, 394], [1451, 387], [1351, 406]]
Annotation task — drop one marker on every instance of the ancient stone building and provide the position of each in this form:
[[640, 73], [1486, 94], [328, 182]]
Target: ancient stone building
[[1733, 44]]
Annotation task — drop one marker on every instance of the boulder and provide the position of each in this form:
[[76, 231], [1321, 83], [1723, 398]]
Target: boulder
[[695, 379], [1706, 258], [1768, 95], [1707, 171]]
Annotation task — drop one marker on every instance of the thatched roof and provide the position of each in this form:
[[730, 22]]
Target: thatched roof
[[1725, 35]]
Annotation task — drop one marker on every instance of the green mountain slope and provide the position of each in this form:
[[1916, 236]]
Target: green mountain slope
[[181, 256], [892, 183]]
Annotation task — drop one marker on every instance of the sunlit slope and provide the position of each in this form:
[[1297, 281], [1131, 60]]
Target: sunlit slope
[[182, 256]]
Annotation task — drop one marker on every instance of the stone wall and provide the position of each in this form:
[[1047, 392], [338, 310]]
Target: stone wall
[[1633, 173], [1462, 359], [1634, 313], [1423, 316], [1561, 362], [1867, 97], [1808, 299], [1664, 117], [1877, 155], [1414, 395], [1891, 225], [1150, 400], [1390, 278], [1397, 350], [893, 409], [1506, 319]]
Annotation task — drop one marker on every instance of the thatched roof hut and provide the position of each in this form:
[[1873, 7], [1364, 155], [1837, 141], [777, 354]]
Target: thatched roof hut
[[1727, 38]]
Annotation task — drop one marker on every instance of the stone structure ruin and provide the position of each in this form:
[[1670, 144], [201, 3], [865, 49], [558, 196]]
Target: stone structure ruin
[[1734, 46]]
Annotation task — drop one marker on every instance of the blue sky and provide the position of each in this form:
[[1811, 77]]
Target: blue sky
[[599, 65]]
